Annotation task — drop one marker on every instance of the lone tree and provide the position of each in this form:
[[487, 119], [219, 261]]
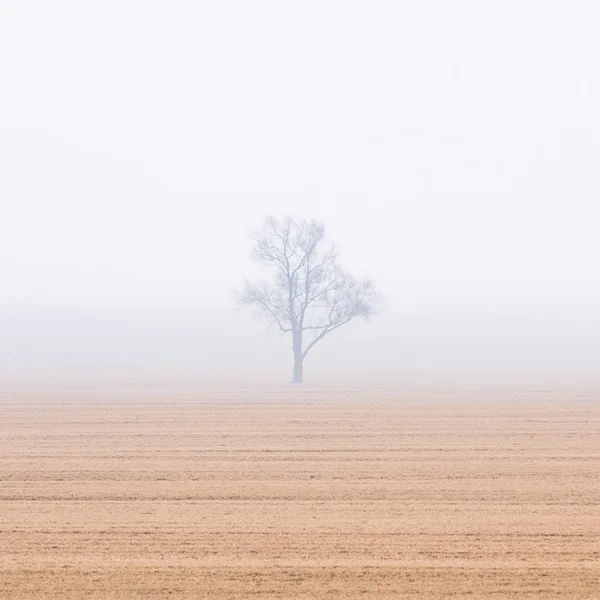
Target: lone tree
[[310, 295]]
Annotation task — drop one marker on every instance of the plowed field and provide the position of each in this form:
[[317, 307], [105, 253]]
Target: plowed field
[[299, 495]]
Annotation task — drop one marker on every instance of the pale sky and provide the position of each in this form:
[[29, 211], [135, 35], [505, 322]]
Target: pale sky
[[453, 149]]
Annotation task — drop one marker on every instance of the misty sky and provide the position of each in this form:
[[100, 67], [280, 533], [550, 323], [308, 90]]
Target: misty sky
[[453, 149]]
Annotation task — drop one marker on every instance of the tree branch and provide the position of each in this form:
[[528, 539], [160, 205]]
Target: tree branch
[[310, 291]]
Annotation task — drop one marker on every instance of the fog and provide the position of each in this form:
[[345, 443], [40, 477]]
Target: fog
[[451, 148]]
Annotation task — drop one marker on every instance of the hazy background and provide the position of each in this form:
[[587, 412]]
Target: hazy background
[[453, 148]]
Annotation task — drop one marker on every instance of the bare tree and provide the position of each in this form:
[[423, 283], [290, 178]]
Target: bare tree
[[310, 295]]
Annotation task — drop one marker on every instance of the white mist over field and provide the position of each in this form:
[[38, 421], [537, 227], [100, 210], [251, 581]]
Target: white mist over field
[[451, 148]]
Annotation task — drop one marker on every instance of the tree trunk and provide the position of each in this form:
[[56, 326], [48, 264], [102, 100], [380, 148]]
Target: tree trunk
[[298, 370], [298, 358]]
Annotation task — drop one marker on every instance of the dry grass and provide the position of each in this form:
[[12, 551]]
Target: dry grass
[[300, 496]]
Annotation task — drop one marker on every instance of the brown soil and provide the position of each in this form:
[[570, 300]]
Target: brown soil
[[300, 495]]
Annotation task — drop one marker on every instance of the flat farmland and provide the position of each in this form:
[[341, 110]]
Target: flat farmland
[[299, 494]]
